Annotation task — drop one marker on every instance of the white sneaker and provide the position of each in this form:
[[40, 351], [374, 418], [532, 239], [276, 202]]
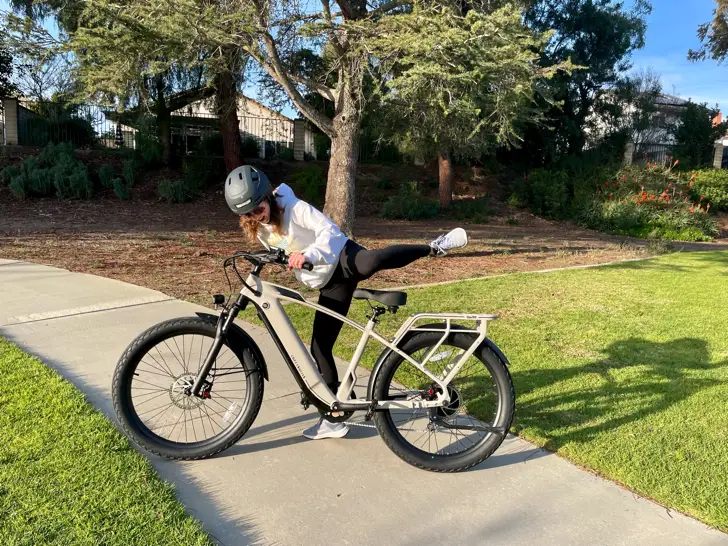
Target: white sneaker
[[457, 238], [325, 429]]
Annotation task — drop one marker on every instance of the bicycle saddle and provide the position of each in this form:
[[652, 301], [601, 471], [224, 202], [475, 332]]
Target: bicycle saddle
[[389, 298]]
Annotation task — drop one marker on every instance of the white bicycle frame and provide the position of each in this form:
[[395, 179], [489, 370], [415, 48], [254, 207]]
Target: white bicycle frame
[[268, 299]]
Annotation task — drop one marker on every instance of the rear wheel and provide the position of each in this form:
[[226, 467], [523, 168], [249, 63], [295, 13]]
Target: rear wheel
[[469, 428], [151, 383]]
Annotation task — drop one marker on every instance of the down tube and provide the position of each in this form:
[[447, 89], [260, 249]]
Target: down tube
[[297, 351]]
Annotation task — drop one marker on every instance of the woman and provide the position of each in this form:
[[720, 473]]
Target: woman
[[279, 219]]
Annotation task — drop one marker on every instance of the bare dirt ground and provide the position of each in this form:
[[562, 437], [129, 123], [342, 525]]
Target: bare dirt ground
[[179, 249]]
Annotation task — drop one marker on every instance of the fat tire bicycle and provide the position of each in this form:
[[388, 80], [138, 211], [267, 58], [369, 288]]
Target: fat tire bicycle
[[440, 393]]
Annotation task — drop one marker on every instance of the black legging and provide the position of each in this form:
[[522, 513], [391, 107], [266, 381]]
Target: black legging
[[356, 264]]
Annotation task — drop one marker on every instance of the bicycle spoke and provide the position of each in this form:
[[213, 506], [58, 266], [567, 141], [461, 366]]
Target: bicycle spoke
[[177, 418]]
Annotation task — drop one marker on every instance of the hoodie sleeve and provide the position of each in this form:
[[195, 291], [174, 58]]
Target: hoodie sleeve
[[321, 251]]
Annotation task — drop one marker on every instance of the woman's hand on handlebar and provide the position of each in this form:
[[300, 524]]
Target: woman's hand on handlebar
[[297, 261]]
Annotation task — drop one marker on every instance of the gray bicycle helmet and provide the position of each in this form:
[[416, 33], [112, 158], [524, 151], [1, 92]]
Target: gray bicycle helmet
[[245, 189]]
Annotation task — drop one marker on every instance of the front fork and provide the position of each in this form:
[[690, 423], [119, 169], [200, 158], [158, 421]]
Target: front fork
[[227, 317]]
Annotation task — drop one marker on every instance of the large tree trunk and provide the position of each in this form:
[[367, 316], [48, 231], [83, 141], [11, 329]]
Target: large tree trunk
[[444, 162], [164, 133], [164, 122], [227, 109], [342, 165]]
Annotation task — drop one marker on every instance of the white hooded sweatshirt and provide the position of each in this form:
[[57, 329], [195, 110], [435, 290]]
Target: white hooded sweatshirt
[[307, 231]]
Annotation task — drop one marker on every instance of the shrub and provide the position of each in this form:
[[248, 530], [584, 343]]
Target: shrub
[[18, 187], [203, 171], [384, 184], [251, 147], [106, 176], [545, 193], [649, 202], [470, 209], [286, 154], [310, 182], [712, 185], [409, 204], [174, 191], [128, 171], [121, 189], [10, 172], [40, 182]]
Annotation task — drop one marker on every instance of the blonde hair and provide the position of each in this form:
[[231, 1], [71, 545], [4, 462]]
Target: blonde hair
[[251, 226]]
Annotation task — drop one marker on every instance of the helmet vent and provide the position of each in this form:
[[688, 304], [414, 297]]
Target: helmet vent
[[240, 176]]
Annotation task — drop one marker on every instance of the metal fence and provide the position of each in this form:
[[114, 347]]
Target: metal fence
[[41, 122], [93, 126], [653, 152], [273, 136]]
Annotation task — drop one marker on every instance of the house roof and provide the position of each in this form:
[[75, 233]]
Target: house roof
[[265, 107], [671, 100]]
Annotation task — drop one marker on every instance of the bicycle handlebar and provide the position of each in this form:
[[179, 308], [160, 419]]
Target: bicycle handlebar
[[268, 257]]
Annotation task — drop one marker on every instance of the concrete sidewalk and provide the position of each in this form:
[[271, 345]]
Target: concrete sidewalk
[[275, 487]]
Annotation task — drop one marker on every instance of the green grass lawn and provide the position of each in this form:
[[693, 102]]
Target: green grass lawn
[[68, 477], [621, 369]]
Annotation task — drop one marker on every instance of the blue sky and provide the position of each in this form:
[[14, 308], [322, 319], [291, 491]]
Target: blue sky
[[671, 32]]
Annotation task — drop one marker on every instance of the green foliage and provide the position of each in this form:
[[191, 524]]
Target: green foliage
[[410, 204], [41, 182], [251, 147], [473, 210], [598, 36], [648, 202], [121, 189], [148, 146], [711, 185], [310, 183], [322, 145], [174, 191], [713, 35], [71, 179], [546, 192], [18, 187], [7, 87], [8, 173], [285, 154], [384, 184], [56, 170], [695, 136], [443, 94], [106, 176], [128, 171]]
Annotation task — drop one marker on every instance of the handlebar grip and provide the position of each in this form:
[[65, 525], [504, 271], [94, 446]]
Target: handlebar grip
[[308, 266]]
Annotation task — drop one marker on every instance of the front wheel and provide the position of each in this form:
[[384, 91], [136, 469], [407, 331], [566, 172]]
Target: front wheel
[[469, 428], [156, 370]]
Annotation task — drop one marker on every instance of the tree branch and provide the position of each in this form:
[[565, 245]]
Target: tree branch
[[384, 8], [278, 73], [188, 96]]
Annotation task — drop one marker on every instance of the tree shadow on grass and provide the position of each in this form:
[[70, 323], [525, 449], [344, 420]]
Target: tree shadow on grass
[[636, 378]]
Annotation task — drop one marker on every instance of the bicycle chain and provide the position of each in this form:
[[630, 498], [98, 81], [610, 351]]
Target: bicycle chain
[[357, 424]]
